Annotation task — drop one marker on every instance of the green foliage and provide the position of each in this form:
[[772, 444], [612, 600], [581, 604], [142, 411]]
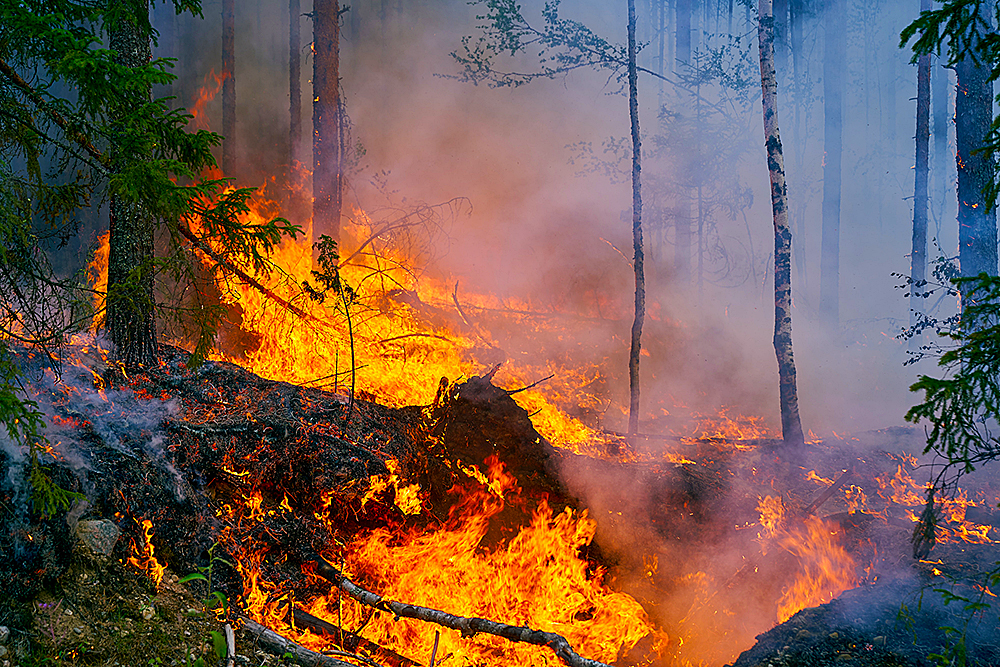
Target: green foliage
[[964, 405], [23, 423], [215, 600], [963, 28]]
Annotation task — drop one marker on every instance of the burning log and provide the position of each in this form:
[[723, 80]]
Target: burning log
[[467, 626]]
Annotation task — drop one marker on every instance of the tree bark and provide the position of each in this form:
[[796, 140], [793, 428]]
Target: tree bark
[[977, 226], [131, 319], [939, 100], [682, 218], [918, 254], [228, 86], [294, 83], [637, 263], [834, 70], [791, 425], [327, 153]]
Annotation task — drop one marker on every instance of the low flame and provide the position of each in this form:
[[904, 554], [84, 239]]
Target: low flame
[[142, 555]]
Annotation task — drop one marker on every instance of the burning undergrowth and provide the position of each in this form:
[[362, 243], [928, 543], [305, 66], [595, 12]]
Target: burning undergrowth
[[634, 557]]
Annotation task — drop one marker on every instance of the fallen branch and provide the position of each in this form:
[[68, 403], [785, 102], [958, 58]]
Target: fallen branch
[[467, 626], [243, 275], [350, 641], [278, 645], [823, 497]]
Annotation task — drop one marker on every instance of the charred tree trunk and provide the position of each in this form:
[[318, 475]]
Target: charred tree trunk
[[228, 86], [682, 219], [977, 226], [327, 168], [640, 280], [131, 319], [791, 425], [918, 255], [294, 84], [834, 66]]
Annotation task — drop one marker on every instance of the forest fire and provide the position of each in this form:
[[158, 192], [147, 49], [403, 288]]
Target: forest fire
[[374, 336], [325, 422]]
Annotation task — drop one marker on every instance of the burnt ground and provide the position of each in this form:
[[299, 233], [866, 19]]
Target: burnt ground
[[176, 446]]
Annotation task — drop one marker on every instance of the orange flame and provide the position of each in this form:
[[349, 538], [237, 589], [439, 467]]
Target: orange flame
[[142, 555]]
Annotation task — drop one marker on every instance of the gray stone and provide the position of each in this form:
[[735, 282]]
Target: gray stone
[[100, 536], [4, 634]]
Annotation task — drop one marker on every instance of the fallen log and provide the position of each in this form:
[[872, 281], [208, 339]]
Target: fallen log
[[275, 643], [350, 641], [467, 626]]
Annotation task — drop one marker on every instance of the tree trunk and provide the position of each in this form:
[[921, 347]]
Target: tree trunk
[[228, 86], [294, 84], [796, 11], [327, 171], [130, 319], [977, 226], [918, 255], [834, 71], [791, 425], [682, 219], [640, 281], [781, 38], [939, 99]]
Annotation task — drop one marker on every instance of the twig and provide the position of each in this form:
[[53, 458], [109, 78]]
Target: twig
[[275, 643], [437, 636], [414, 335], [511, 392], [475, 329], [467, 626]]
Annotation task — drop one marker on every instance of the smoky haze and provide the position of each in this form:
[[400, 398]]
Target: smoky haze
[[550, 228]]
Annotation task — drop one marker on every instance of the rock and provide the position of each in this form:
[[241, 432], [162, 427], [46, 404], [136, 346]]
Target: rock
[[803, 634], [3, 651], [4, 634], [148, 612], [879, 641], [99, 536], [834, 635]]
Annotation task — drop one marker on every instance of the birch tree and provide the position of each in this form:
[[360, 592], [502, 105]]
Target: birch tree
[[791, 425]]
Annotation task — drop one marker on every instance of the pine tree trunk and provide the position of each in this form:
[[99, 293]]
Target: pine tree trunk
[[939, 100], [977, 227], [791, 425], [682, 218], [637, 262], [918, 254], [834, 66], [130, 318], [294, 83], [228, 86], [327, 172]]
